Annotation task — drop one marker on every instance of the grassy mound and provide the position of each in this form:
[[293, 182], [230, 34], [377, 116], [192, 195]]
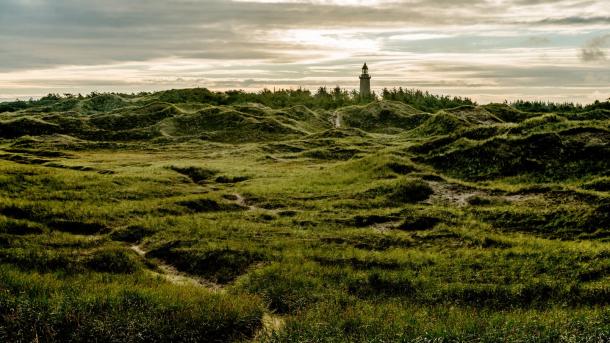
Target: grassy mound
[[129, 118], [27, 126], [381, 116], [112, 261], [405, 190], [475, 115], [103, 103], [508, 113], [441, 123], [79, 308], [568, 153], [227, 125], [408, 190]]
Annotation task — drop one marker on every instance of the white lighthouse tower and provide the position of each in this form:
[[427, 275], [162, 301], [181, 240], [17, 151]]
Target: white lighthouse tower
[[365, 83]]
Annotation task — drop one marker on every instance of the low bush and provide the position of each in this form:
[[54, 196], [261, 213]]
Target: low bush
[[410, 191], [112, 261]]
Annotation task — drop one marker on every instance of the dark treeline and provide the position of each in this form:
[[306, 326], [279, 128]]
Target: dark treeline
[[551, 107], [423, 100], [322, 98]]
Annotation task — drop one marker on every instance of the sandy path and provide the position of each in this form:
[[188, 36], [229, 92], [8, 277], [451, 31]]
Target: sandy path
[[172, 275], [336, 120]]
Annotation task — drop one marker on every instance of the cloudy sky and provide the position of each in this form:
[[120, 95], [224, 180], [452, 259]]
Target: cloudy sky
[[489, 50]]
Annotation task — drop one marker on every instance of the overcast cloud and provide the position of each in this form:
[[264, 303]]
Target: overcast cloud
[[490, 50]]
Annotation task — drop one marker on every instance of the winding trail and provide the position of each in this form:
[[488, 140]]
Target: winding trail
[[241, 201], [336, 120], [271, 323], [172, 275]]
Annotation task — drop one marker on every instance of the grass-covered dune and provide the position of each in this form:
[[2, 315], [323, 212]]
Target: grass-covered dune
[[189, 215]]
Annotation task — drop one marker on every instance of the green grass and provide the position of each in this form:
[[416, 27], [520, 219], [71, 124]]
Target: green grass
[[149, 218]]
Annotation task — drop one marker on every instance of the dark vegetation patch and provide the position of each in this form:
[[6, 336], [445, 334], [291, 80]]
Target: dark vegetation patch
[[27, 126], [477, 133], [197, 174], [282, 148], [23, 159], [112, 261], [380, 285], [225, 124], [79, 168], [41, 153], [370, 242], [400, 168], [564, 223], [268, 203], [594, 273], [410, 191], [135, 118], [267, 217], [28, 212], [78, 227], [231, 197], [478, 200], [332, 153], [535, 293], [601, 184], [287, 213], [488, 242], [339, 133], [357, 263], [39, 215], [404, 191], [596, 114], [602, 235], [20, 227], [42, 260], [231, 179], [209, 205], [418, 223], [132, 233], [443, 236], [569, 153], [287, 288], [218, 265]]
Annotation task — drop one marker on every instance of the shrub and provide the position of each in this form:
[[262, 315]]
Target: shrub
[[131, 234], [411, 191], [112, 261], [197, 174], [415, 223]]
